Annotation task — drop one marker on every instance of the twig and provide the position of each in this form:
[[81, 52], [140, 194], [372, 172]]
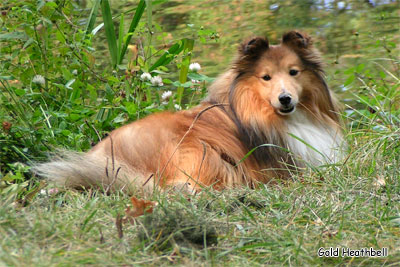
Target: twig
[[148, 179], [101, 236], [91, 125], [107, 167], [112, 154], [201, 163], [47, 120], [115, 175], [118, 224], [113, 181], [69, 21]]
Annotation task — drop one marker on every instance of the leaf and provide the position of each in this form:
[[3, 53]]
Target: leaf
[[69, 83], [110, 31], [132, 27], [168, 56], [98, 27], [188, 47], [379, 182], [200, 77], [139, 208], [120, 37], [28, 43], [185, 85], [87, 219], [13, 35], [360, 68], [66, 132], [92, 17], [349, 80], [130, 108], [19, 92], [7, 78]]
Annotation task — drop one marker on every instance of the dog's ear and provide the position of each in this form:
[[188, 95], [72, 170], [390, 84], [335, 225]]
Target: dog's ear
[[302, 44], [297, 40], [254, 46]]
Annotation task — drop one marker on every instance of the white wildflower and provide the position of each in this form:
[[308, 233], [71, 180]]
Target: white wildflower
[[38, 79], [195, 81], [194, 67], [164, 103], [166, 95], [75, 72], [157, 81], [177, 107], [145, 76]]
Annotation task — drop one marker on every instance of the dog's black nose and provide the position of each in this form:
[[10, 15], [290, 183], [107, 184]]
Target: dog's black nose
[[285, 99]]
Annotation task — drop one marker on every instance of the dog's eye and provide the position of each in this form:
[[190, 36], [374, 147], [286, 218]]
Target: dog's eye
[[266, 78], [293, 72]]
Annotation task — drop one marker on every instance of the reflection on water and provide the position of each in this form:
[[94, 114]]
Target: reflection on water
[[344, 30]]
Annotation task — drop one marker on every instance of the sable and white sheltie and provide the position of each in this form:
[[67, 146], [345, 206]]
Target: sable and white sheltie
[[273, 98]]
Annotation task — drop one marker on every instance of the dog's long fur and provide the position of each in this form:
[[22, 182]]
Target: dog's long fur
[[209, 144]]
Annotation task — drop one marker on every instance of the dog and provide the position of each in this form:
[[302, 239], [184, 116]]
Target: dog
[[268, 115]]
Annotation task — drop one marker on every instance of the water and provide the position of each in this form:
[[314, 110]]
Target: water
[[346, 32], [342, 29]]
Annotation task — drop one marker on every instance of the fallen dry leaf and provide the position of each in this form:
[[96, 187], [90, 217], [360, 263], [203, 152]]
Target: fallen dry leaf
[[379, 182], [140, 207]]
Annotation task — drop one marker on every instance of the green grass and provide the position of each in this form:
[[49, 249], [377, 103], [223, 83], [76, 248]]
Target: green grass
[[275, 224]]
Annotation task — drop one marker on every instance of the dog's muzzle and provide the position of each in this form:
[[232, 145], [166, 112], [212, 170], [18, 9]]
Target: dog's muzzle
[[287, 105]]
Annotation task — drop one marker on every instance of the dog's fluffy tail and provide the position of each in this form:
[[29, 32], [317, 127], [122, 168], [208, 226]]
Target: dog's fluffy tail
[[82, 170]]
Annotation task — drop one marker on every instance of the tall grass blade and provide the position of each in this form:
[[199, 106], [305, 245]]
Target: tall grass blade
[[149, 27], [92, 17], [188, 48], [110, 31], [132, 27], [120, 37], [263, 145], [168, 56]]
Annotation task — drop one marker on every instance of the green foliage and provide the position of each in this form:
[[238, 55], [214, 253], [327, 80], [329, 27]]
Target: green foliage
[[56, 91]]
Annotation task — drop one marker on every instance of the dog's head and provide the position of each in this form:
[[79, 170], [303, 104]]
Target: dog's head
[[285, 76]]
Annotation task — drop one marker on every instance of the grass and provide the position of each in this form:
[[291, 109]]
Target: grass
[[275, 224]]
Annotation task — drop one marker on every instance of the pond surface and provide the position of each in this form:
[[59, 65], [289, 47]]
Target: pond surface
[[346, 32], [342, 29]]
